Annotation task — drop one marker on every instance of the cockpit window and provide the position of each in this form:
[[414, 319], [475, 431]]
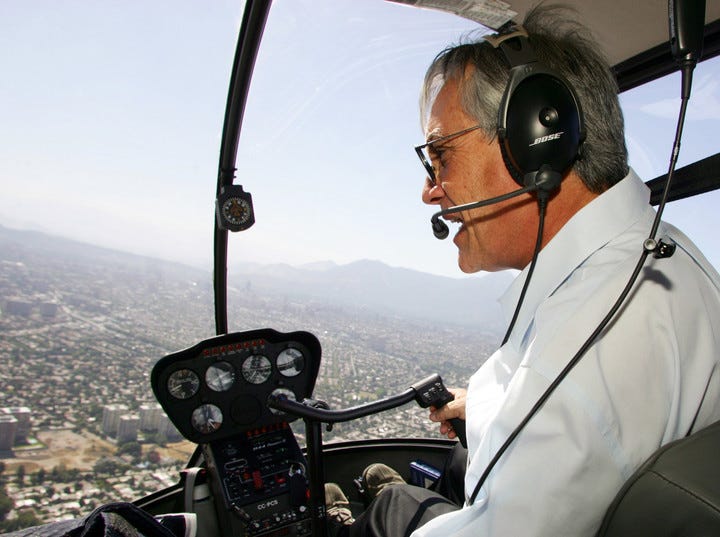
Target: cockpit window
[[110, 131], [651, 112]]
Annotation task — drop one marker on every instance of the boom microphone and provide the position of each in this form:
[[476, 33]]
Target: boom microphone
[[440, 228]]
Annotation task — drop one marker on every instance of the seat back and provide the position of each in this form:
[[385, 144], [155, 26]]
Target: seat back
[[676, 492]]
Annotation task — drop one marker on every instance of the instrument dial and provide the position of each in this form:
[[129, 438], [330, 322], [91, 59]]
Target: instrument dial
[[220, 376], [236, 211], [183, 384], [206, 418], [256, 369], [290, 362]]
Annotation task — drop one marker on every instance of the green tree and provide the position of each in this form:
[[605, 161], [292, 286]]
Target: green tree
[[108, 466], [20, 475], [134, 449], [6, 504], [25, 519], [153, 457], [40, 476]]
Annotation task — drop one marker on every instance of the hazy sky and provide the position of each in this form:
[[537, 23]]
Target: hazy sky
[[111, 115]]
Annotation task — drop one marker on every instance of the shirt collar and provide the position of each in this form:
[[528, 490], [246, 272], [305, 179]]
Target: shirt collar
[[589, 229]]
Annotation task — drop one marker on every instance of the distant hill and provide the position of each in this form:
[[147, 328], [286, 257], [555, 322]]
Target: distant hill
[[31, 247], [374, 286], [368, 286]]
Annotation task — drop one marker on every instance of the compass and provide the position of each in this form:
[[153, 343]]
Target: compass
[[234, 210]]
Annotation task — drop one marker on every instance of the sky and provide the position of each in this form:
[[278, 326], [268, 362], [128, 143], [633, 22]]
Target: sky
[[111, 115]]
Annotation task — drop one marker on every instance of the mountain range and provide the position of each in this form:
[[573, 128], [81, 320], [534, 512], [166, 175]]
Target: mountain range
[[368, 286], [375, 286]]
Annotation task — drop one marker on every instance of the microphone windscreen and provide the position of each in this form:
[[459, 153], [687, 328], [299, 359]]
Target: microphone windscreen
[[440, 229]]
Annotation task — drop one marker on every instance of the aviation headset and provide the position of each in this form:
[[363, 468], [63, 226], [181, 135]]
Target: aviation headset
[[540, 123]]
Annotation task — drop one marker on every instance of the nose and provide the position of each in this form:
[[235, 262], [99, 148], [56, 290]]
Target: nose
[[432, 192]]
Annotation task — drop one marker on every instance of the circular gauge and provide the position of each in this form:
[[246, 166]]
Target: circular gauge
[[282, 392], [290, 362], [236, 210], [220, 376], [207, 418], [183, 383], [256, 369]]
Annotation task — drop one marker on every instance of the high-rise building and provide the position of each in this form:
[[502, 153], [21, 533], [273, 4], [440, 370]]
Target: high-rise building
[[48, 309], [111, 418], [150, 414], [128, 428], [8, 429], [22, 414], [18, 306], [167, 431]]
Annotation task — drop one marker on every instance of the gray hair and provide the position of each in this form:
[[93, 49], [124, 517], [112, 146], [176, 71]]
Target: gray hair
[[561, 43]]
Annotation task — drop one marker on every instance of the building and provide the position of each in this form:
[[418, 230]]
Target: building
[[48, 309], [167, 431], [17, 306], [111, 418], [128, 426], [150, 415], [8, 429], [22, 414]]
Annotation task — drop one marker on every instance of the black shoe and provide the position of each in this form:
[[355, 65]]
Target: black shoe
[[337, 506], [378, 476]]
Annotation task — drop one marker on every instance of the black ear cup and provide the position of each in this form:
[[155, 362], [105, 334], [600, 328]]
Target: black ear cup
[[540, 122]]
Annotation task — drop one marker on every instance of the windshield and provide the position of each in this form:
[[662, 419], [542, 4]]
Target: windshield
[[112, 115], [650, 121]]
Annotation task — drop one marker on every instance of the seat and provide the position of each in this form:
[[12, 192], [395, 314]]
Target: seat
[[675, 493]]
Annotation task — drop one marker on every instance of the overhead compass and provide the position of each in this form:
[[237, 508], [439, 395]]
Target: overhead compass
[[234, 210]]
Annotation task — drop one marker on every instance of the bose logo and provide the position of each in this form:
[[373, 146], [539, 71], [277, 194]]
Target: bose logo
[[547, 138], [271, 503]]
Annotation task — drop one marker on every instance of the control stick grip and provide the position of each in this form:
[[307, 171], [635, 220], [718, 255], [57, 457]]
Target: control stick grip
[[432, 392]]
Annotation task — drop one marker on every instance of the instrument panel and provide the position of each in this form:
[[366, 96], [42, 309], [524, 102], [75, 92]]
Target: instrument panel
[[220, 387]]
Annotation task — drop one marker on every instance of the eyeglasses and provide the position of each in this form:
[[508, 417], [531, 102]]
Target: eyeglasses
[[423, 154]]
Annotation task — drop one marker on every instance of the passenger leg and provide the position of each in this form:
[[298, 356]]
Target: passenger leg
[[452, 480], [399, 510]]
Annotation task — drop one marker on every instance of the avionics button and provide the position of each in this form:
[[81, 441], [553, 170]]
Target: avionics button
[[257, 480]]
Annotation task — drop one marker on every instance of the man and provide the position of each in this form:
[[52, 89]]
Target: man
[[651, 376]]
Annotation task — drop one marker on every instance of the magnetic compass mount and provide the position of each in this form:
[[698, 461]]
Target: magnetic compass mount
[[234, 209]]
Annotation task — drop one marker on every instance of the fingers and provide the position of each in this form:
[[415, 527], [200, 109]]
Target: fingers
[[454, 409], [447, 430]]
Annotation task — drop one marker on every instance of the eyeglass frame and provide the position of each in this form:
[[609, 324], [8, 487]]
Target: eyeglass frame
[[423, 159]]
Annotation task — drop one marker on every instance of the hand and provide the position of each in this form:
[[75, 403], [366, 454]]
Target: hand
[[454, 409]]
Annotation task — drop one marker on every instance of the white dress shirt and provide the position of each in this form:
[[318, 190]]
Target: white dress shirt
[[652, 376]]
